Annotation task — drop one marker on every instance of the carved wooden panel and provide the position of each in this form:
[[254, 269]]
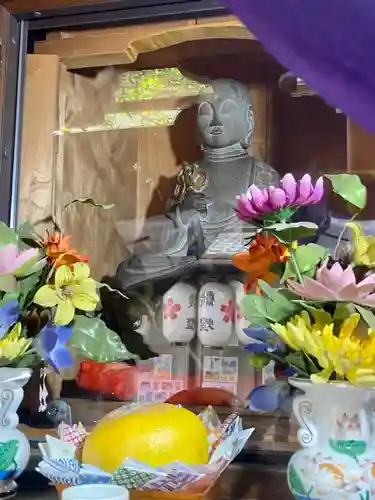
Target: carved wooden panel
[[114, 46]]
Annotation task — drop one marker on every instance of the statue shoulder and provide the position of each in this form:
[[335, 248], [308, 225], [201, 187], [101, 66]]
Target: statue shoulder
[[265, 175]]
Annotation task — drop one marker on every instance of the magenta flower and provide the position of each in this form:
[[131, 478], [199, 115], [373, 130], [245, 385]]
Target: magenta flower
[[336, 284], [12, 258], [259, 202]]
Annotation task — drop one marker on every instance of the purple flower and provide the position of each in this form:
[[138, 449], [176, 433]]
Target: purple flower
[[257, 203], [262, 340], [9, 314], [51, 346]]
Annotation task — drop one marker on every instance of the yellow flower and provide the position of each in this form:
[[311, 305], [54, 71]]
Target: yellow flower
[[347, 353], [364, 246], [73, 289], [14, 345]]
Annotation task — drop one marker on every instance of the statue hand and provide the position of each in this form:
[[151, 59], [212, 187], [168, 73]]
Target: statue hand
[[197, 202]]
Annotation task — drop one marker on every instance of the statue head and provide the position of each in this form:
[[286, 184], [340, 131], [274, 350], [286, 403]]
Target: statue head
[[226, 117]]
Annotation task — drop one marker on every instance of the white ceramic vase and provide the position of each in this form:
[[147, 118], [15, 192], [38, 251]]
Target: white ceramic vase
[[216, 313], [337, 435], [14, 446]]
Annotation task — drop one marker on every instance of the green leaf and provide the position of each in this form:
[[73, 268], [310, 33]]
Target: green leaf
[[367, 316], [8, 283], [295, 483], [9, 296], [341, 312], [33, 265], [95, 341], [89, 201], [262, 310], [277, 268], [29, 360], [352, 448], [288, 232], [7, 235], [26, 231], [298, 361], [307, 258], [320, 315], [258, 310], [350, 188], [27, 286], [259, 361], [277, 298]]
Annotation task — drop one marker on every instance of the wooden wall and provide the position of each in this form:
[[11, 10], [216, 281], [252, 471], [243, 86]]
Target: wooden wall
[[135, 169]]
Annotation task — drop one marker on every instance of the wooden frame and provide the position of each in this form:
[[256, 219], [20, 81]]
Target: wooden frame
[[114, 46], [10, 87]]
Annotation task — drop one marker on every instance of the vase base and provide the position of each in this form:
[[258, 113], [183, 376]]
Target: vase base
[[8, 489]]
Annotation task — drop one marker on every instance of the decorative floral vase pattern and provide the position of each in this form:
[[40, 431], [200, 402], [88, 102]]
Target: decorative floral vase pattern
[[180, 313], [337, 435], [216, 314], [14, 446]]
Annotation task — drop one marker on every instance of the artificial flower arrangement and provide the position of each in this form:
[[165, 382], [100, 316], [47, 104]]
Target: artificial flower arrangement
[[317, 321], [49, 303]]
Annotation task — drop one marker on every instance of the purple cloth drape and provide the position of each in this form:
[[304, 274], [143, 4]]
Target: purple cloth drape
[[328, 43]]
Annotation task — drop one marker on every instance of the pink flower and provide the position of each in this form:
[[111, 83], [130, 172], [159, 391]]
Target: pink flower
[[12, 258], [259, 202], [229, 311], [336, 285], [171, 310]]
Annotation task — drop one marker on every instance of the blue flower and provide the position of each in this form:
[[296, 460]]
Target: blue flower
[[274, 396], [51, 346], [263, 340], [9, 314]]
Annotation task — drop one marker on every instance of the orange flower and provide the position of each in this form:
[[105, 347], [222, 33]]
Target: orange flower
[[58, 252], [264, 251]]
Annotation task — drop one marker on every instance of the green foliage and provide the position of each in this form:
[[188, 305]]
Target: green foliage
[[259, 361], [288, 232], [8, 283], [307, 258], [319, 315], [350, 188], [367, 316], [7, 235], [302, 363], [95, 341], [272, 307]]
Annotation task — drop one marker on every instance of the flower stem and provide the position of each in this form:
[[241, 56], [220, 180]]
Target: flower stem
[[341, 235], [295, 265]]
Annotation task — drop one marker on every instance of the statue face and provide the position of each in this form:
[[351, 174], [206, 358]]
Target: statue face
[[225, 121]]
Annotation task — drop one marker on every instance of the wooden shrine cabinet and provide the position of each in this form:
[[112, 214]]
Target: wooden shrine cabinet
[[70, 128]]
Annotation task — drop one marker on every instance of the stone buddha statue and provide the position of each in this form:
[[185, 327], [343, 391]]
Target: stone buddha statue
[[200, 219]]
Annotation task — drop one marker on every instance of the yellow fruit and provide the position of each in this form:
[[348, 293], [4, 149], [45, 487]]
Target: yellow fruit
[[156, 434]]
